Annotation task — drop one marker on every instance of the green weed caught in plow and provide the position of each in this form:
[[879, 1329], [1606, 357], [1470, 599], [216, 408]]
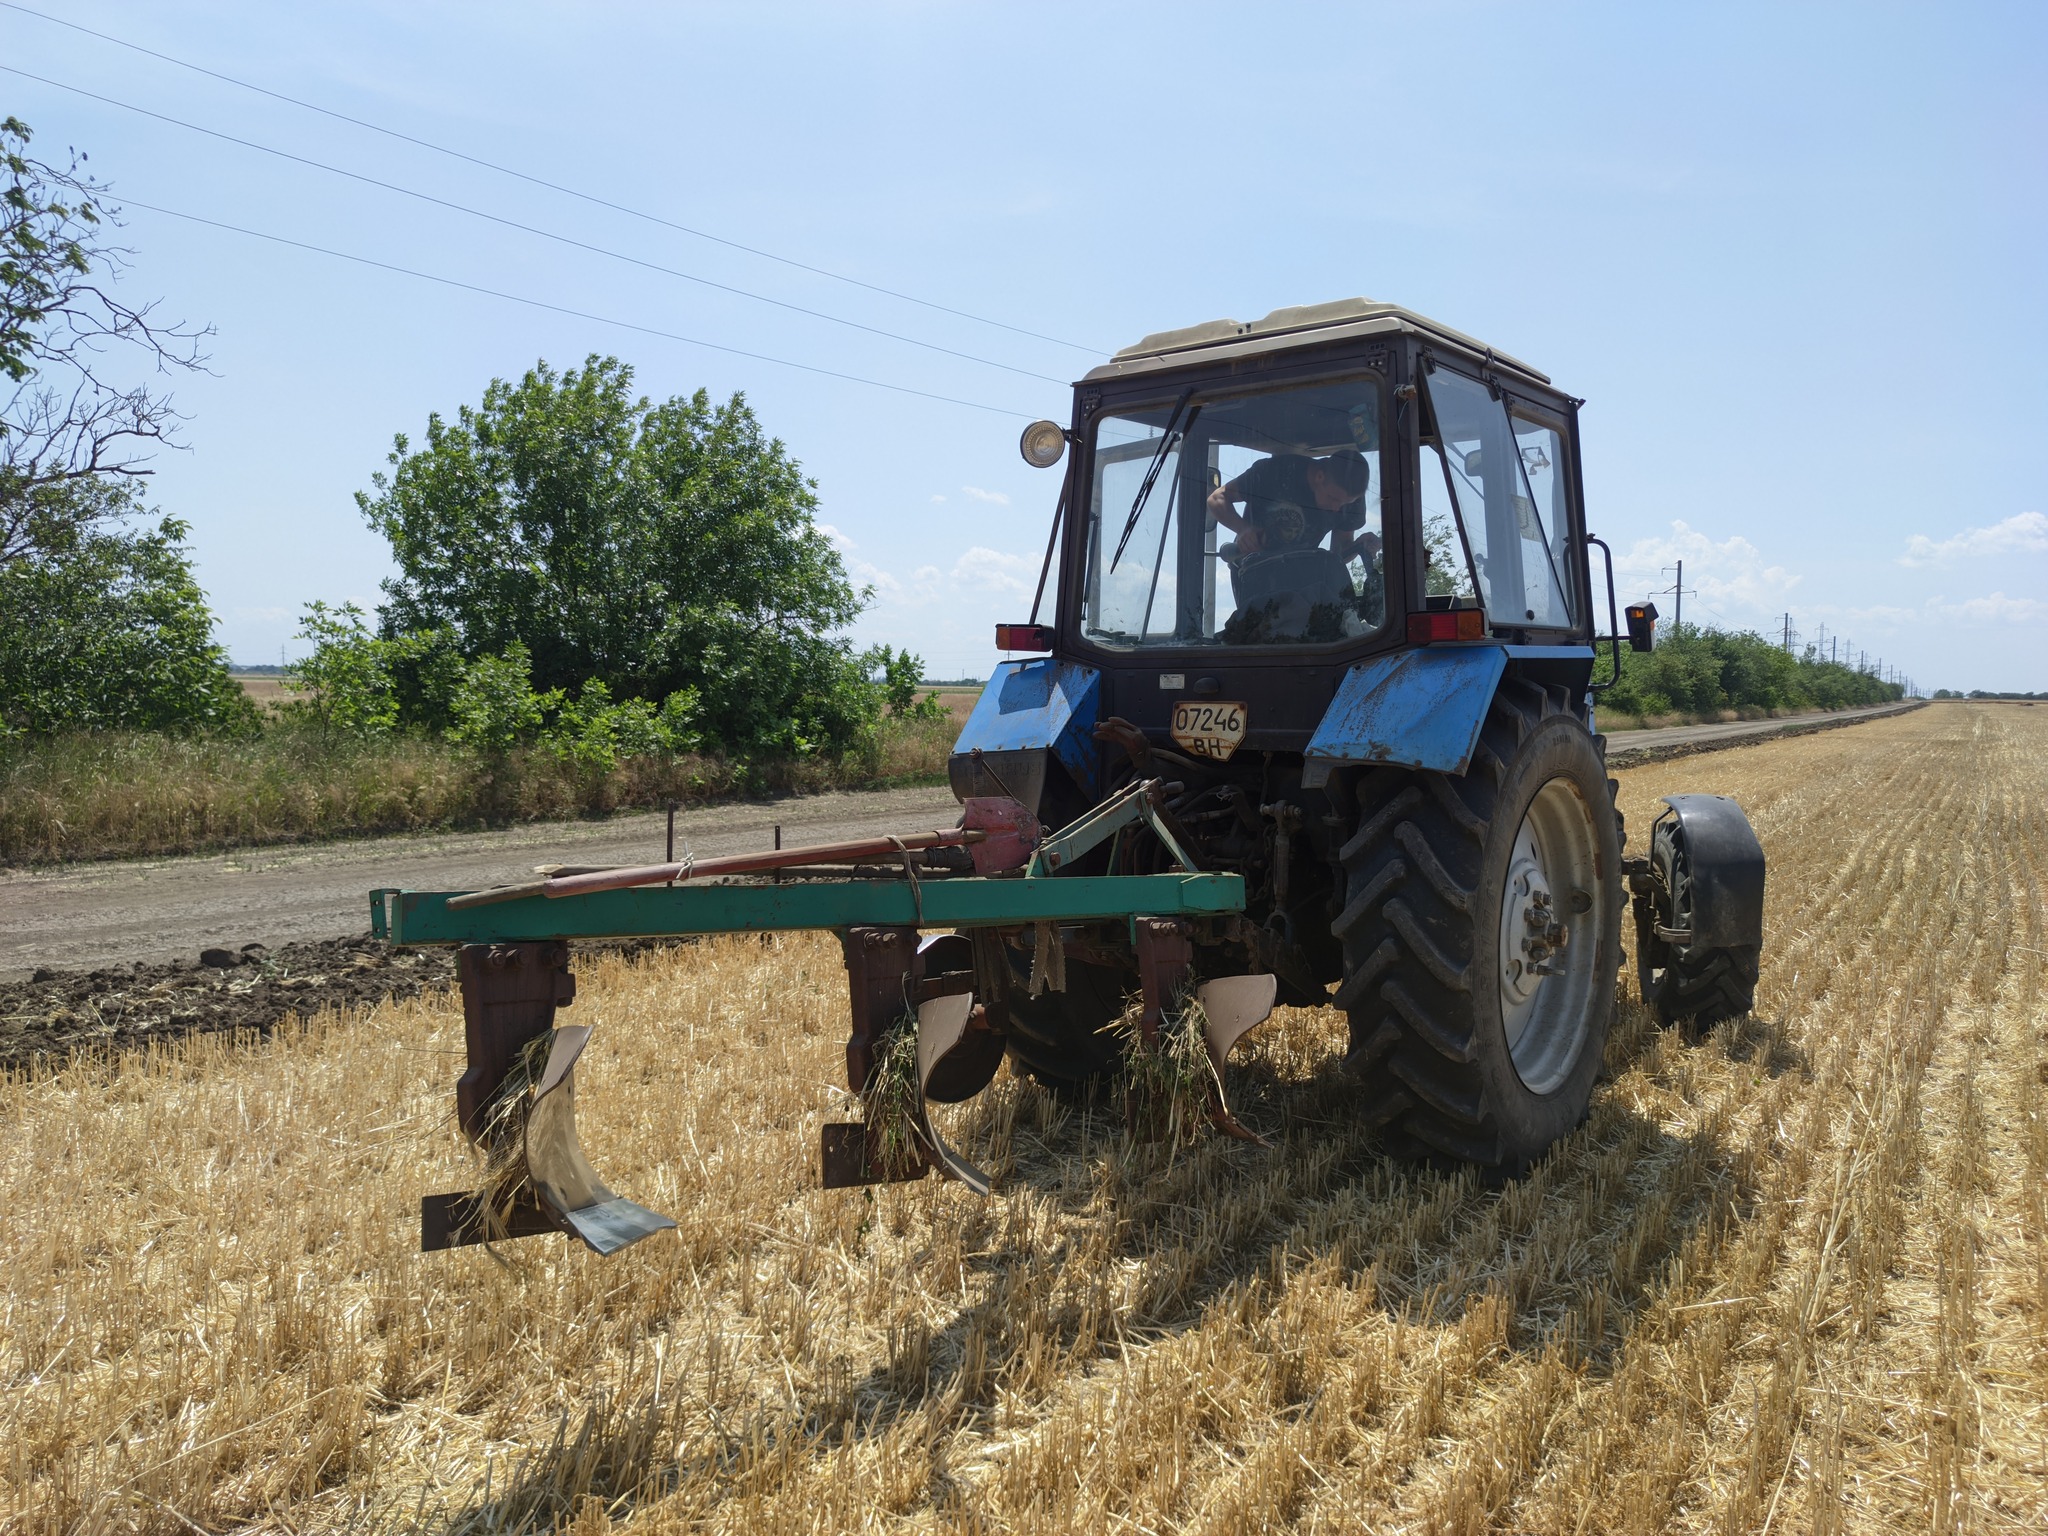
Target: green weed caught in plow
[[1170, 1082], [893, 1103]]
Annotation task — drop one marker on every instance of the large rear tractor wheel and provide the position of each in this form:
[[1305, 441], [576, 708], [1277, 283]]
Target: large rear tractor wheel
[[1068, 1041], [1481, 937]]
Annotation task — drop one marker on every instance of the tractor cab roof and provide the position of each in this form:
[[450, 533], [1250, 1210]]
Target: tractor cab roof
[[1283, 329]]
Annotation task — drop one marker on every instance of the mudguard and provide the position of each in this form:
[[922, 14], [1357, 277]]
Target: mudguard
[[1725, 869], [1030, 712], [1413, 709]]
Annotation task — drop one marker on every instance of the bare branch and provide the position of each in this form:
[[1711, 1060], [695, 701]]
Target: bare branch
[[68, 343]]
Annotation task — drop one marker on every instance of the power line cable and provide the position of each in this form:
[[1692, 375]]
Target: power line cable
[[563, 309], [552, 186], [545, 234]]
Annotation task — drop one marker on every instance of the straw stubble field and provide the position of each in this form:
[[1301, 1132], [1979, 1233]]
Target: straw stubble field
[[1790, 1277]]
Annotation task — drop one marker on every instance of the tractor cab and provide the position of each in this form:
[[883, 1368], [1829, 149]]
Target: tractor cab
[[1251, 511]]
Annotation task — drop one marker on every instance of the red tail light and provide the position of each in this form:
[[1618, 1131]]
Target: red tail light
[[1023, 637], [1446, 624]]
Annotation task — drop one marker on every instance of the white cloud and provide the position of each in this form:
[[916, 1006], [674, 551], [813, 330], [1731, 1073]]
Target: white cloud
[[938, 501], [1732, 573], [995, 498], [839, 540], [1995, 609], [1937, 611], [994, 570], [979, 570], [2022, 533]]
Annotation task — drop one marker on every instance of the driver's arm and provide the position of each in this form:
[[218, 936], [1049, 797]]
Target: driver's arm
[[1221, 509], [1346, 542]]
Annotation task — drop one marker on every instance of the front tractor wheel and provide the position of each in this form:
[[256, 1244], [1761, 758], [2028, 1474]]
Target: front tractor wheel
[[1481, 940]]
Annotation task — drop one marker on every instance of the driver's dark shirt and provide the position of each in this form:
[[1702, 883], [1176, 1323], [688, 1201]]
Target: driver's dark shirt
[[1279, 503]]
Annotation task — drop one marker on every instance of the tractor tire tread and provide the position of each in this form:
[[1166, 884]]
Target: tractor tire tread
[[1710, 988], [1412, 877]]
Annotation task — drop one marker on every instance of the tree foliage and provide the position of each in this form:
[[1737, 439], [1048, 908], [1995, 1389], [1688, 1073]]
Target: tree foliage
[[109, 630], [1696, 671], [67, 422], [654, 549], [359, 684]]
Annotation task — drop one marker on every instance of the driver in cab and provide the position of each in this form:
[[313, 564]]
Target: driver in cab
[[1292, 502], [1286, 584]]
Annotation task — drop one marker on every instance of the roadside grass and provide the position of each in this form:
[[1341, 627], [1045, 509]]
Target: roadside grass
[[1789, 1276], [1616, 720], [125, 794]]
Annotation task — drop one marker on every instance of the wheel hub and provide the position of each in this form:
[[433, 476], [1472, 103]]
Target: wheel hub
[[1544, 964], [1530, 931]]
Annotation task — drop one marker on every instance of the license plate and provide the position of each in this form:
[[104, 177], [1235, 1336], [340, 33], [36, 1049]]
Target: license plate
[[1209, 728]]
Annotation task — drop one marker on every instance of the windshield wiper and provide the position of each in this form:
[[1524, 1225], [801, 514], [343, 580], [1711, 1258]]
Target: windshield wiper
[[1167, 438]]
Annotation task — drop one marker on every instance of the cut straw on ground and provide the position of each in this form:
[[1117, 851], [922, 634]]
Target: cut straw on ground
[[1792, 1276]]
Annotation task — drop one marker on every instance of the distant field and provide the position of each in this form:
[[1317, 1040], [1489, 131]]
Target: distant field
[[1789, 1277], [265, 689], [959, 702]]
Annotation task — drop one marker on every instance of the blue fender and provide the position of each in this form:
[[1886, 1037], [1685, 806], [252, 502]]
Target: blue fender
[[1413, 709], [1040, 705]]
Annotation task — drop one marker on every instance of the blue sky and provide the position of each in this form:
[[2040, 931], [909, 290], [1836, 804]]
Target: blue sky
[[1792, 256]]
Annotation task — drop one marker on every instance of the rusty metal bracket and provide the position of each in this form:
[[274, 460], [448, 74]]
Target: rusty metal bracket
[[879, 962], [891, 979], [509, 996], [881, 967], [1165, 953]]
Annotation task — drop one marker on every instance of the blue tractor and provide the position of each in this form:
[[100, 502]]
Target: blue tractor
[[1325, 601]]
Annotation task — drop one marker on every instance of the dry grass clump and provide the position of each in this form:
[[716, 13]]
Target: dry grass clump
[[1167, 1081], [123, 794], [1793, 1277]]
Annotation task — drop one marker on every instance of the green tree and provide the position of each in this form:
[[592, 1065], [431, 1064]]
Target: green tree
[[655, 549], [901, 674], [105, 630]]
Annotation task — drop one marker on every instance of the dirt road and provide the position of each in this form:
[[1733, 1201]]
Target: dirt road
[[92, 915], [1630, 746]]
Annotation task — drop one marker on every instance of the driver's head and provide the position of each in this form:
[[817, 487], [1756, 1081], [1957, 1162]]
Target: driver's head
[[1339, 480]]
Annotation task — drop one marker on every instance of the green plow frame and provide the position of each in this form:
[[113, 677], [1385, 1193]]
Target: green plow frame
[[917, 951]]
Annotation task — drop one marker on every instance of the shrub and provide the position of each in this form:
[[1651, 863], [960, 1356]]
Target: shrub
[[1703, 671], [493, 706], [346, 679], [108, 630]]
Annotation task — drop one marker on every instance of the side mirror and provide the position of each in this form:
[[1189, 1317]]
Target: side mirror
[[1642, 625]]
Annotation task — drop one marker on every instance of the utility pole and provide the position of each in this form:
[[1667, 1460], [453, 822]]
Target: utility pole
[[1677, 592], [1787, 642]]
